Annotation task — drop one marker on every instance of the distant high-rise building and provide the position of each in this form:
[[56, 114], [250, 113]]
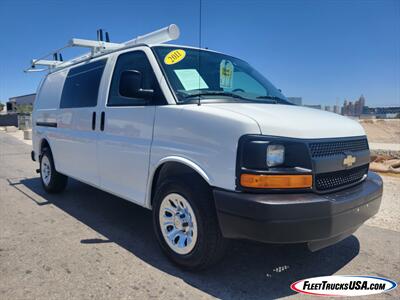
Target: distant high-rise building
[[336, 109], [327, 108], [351, 108], [296, 100], [344, 108], [361, 104], [354, 109]]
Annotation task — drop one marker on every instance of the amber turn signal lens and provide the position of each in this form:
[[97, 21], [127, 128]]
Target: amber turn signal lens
[[276, 181]]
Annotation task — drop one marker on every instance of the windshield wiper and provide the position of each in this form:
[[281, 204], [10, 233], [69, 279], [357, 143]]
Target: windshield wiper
[[219, 93], [216, 93], [275, 99]]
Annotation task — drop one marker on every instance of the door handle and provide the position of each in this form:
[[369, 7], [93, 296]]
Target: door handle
[[94, 120], [102, 117]]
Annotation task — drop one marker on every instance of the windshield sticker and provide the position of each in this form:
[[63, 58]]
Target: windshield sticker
[[174, 56], [191, 79], [226, 74]]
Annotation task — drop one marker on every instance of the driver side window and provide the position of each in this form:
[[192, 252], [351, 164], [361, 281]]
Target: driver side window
[[137, 61]]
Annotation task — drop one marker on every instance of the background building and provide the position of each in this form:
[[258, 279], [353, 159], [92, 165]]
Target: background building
[[24, 100], [355, 109], [336, 109], [381, 112]]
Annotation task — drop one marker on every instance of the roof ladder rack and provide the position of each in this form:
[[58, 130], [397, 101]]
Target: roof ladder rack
[[100, 46]]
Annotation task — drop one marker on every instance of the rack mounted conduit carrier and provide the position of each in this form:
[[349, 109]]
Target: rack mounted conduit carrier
[[100, 47]]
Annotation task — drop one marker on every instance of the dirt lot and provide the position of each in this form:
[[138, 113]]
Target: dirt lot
[[382, 131], [87, 244]]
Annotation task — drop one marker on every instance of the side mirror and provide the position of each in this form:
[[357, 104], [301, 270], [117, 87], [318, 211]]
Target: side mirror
[[130, 85]]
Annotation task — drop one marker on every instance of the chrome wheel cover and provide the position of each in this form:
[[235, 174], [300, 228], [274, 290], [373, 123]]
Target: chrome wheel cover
[[45, 170], [178, 223]]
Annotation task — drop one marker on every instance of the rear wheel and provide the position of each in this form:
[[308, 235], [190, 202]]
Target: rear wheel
[[52, 181], [185, 223]]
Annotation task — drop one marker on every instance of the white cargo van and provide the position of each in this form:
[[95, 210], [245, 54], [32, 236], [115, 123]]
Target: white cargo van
[[204, 141]]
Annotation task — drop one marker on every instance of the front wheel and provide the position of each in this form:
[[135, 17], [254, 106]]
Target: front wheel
[[186, 225], [52, 181]]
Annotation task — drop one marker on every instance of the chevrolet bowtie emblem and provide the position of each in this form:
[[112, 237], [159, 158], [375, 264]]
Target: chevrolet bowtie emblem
[[349, 160]]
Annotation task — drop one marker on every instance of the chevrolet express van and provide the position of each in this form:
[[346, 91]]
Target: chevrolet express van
[[208, 144]]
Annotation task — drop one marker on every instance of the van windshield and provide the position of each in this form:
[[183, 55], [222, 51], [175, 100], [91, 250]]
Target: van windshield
[[200, 75]]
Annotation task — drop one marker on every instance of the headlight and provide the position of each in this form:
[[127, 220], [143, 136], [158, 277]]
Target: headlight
[[275, 155], [272, 162]]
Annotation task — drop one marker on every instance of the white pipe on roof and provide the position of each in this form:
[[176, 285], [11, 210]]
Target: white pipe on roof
[[160, 36]]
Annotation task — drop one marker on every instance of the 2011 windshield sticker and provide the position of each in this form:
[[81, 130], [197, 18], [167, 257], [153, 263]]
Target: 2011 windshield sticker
[[226, 74], [174, 56]]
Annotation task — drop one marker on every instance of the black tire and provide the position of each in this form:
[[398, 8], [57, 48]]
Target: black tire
[[58, 182], [210, 245]]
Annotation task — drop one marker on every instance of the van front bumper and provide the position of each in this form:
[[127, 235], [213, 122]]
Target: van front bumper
[[319, 220]]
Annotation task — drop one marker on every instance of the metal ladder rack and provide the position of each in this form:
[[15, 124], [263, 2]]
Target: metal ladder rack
[[100, 47]]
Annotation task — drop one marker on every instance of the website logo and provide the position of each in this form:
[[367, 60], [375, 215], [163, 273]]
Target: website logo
[[343, 285]]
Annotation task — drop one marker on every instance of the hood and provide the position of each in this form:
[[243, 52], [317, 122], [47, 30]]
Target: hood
[[295, 121]]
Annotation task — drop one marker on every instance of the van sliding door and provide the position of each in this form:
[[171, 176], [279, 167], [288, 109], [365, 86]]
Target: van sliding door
[[77, 134]]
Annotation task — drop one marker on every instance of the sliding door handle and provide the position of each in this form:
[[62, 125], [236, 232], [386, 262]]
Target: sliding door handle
[[94, 121], [102, 117]]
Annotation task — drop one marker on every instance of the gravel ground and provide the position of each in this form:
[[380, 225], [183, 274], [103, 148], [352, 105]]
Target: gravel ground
[[389, 214], [382, 130], [87, 244]]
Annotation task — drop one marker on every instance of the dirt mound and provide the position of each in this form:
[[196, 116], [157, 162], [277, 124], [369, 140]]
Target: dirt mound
[[382, 131], [385, 164]]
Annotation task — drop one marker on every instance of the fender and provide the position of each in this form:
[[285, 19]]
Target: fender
[[178, 159], [43, 137]]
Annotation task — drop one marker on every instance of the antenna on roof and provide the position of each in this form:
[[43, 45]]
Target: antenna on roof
[[100, 46]]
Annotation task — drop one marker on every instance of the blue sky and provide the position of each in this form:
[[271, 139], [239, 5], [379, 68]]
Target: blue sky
[[324, 51]]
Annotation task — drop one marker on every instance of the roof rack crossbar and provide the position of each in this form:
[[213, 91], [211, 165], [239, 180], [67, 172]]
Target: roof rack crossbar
[[93, 44], [99, 47], [45, 62]]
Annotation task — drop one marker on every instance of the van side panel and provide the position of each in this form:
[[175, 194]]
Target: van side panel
[[204, 135], [46, 111], [50, 92], [76, 140]]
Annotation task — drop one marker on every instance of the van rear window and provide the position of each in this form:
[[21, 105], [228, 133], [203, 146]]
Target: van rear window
[[81, 86]]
